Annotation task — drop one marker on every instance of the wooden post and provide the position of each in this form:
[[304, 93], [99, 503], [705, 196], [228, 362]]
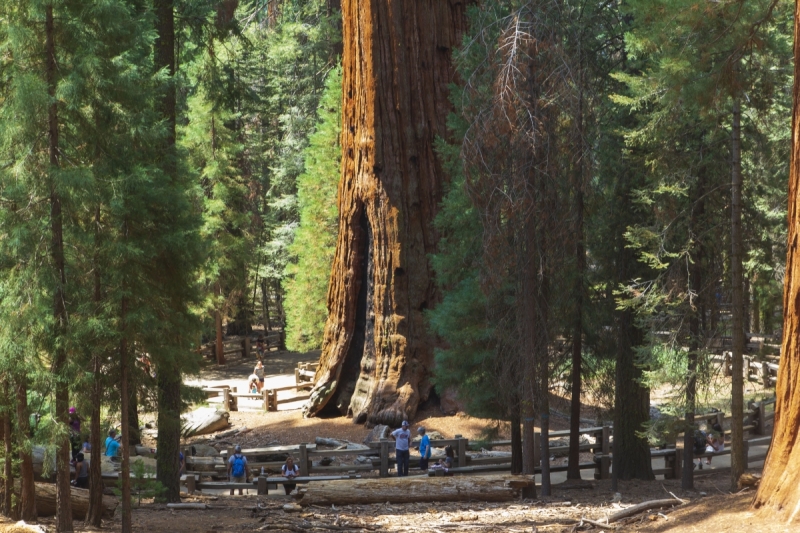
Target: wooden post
[[262, 486], [761, 427], [246, 346], [384, 458], [303, 460], [462, 451], [605, 462], [191, 483], [746, 368], [272, 396], [226, 398], [726, 364], [265, 400], [765, 374], [297, 379]]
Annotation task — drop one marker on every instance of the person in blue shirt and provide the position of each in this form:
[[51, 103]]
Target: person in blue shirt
[[112, 446], [424, 449]]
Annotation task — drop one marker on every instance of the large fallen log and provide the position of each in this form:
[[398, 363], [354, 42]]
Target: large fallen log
[[202, 421], [496, 488], [46, 501]]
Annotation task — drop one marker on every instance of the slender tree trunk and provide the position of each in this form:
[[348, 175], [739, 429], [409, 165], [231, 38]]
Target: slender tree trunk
[[396, 69], [27, 487], [695, 333], [64, 512], [125, 471], [573, 466], [133, 410], [8, 473], [94, 516], [738, 465], [779, 490], [265, 304]]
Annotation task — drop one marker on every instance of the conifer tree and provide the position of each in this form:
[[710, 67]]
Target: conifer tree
[[315, 237]]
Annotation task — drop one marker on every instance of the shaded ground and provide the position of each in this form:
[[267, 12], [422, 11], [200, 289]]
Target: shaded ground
[[708, 509]]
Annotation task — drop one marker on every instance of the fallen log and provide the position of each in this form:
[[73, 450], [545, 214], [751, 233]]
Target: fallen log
[[419, 489], [644, 506], [187, 506], [342, 444], [46, 501], [202, 421]]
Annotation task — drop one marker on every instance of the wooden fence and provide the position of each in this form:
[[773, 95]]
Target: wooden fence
[[380, 457], [246, 345]]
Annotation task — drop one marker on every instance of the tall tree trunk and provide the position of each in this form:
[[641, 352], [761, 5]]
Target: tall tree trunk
[[64, 513], [573, 466], [695, 331], [133, 411], [94, 516], [125, 470], [265, 306], [169, 375], [738, 465], [27, 487], [8, 473], [219, 346], [779, 490], [396, 69]]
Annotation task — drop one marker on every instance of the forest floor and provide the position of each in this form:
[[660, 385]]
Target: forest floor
[[708, 508]]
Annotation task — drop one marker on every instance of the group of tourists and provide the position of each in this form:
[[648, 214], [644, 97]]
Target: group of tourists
[[237, 470], [255, 383], [402, 438]]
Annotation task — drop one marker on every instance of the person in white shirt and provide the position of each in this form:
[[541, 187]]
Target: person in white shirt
[[402, 437], [289, 470], [716, 441]]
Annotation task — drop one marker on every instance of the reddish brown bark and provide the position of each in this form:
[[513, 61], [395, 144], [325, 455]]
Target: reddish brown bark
[[779, 491], [377, 355]]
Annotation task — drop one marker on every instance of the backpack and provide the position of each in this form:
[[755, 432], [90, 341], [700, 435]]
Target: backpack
[[238, 466], [700, 442]]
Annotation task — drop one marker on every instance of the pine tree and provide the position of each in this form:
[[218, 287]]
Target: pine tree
[[315, 237]]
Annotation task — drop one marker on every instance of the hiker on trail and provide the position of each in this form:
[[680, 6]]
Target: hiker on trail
[[112, 445], [259, 371], [237, 468], [289, 470], [260, 346], [424, 449], [402, 436], [715, 441], [81, 472]]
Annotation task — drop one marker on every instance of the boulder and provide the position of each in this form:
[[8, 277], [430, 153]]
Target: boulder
[[204, 450], [378, 432]]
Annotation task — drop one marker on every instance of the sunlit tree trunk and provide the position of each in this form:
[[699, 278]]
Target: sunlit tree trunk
[[779, 491], [377, 354]]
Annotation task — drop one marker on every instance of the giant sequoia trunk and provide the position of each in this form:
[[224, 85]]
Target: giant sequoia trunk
[[377, 355], [780, 486]]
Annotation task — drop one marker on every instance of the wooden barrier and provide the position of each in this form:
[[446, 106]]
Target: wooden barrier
[[304, 375]]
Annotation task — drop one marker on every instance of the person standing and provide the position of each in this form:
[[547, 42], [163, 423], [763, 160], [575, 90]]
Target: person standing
[[112, 445], [237, 468], [402, 437], [424, 449], [289, 470]]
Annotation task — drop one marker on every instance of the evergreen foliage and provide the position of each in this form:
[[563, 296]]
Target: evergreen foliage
[[314, 242]]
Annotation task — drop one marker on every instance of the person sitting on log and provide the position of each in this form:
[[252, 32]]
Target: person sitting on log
[[449, 456], [715, 441], [237, 468], [81, 472], [289, 470], [402, 436], [259, 371]]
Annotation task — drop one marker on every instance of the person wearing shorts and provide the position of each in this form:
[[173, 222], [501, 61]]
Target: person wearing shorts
[[237, 468]]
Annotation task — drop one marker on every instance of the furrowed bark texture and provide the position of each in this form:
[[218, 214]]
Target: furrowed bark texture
[[377, 355], [779, 491]]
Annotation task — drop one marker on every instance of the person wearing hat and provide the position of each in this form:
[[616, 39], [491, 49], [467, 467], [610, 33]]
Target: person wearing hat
[[424, 449], [403, 437], [237, 468]]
